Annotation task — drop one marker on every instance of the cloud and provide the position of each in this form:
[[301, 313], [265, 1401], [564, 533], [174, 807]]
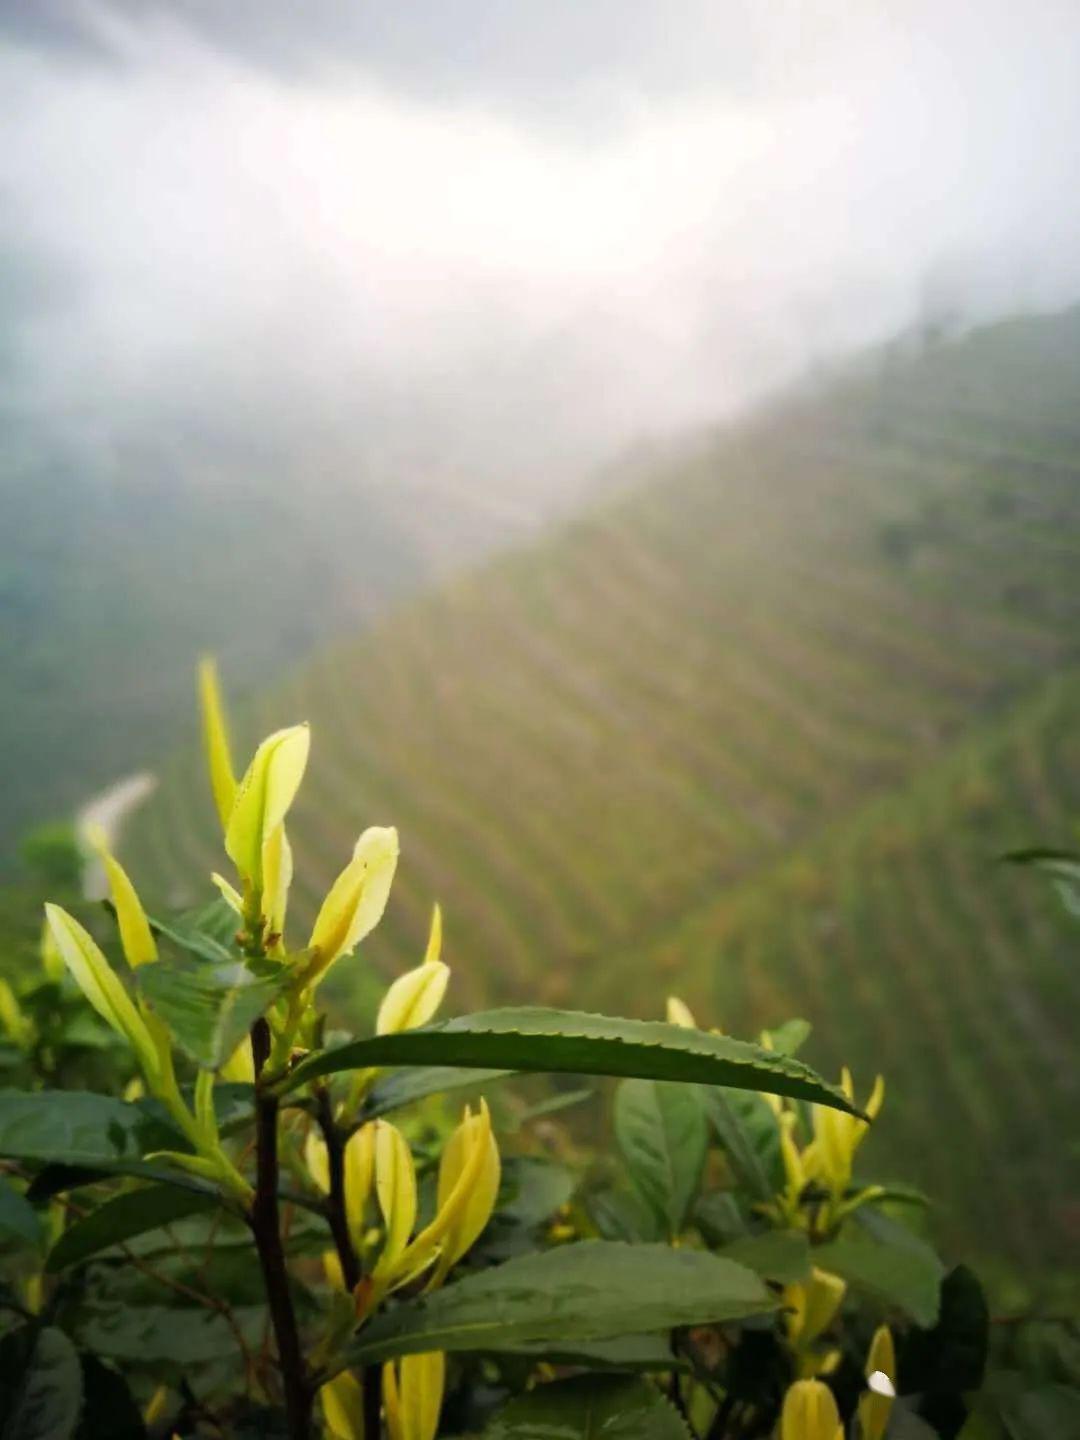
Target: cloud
[[369, 258]]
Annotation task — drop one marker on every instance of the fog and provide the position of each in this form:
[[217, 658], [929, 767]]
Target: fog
[[494, 245]]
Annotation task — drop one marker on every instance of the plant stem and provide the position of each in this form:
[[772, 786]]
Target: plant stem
[[371, 1380], [339, 1225], [266, 1228]]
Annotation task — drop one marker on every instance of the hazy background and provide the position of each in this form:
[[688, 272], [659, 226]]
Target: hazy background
[[579, 410], [478, 247]]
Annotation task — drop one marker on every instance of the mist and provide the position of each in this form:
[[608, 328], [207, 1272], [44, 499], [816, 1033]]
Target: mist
[[490, 277]]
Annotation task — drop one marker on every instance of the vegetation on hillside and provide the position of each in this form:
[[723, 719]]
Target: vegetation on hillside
[[716, 735]]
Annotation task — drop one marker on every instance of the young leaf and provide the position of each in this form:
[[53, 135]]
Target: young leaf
[[128, 1215], [661, 1130], [559, 1040], [40, 1385], [356, 900], [216, 740], [263, 798], [590, 1407], [136, 938], [592, 1290], [209, 1008], [95, 978]]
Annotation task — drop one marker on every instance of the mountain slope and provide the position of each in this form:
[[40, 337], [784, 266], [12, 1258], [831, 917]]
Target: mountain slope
[[589, 741], [119, 560]]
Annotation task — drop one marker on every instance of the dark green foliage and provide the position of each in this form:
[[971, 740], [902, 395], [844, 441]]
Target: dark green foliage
[[662, 1135], [556, 1040], [579, 1292], [108, 1412], [76, 1128], [589, 1408], [41, 1385], [211, 1005], [902, 1274], [947, 1363], [134, 1213], [19, 1223]]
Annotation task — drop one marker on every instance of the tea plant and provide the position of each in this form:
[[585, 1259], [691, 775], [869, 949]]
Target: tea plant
[[211, 1225]]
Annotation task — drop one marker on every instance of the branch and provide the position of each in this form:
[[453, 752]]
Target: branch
[[339, 1225], [371, 1381], [266, 1228]]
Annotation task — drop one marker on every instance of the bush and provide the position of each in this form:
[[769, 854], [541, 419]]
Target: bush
[[210, 1225]]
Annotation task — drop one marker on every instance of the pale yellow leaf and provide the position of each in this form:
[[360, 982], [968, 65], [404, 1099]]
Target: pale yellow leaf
[[263, 798], [434, 944], [356, 900], [136, 938], [395, 1187], [413, 998], [809, 1412], [342, 1401], [216, 740], [94, 977]]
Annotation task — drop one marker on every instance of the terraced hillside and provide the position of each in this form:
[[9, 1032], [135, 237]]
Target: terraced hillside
[[753, 732]]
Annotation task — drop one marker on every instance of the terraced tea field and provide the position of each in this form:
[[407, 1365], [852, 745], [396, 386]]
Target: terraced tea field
[[754, 732]]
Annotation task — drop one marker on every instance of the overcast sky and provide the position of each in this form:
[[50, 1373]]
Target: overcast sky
[[526, 232]]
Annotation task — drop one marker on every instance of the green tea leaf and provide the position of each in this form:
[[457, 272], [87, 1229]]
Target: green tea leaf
[[19, 1224], [207, 932], [150, 1335], [532, 1190], [593, 1290], [642, 1353], [134, 1213], [738, 1144], [662, 1133], [41, 1382], [79, 1128], [780, 1255], [906, 1274], [622, 1214], [719, 1218], [209, 1008], [561, 1040], [590, 1407], [405, 1087]]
